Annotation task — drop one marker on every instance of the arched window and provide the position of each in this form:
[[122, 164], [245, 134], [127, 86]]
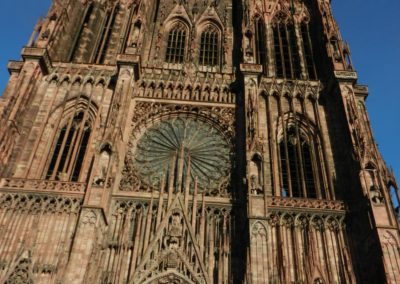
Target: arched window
[[105, 36], [287, 59], [308, 52], [84, 29], [296, 164], [176, 44], [260, 43], [209, 47], [70, 148]]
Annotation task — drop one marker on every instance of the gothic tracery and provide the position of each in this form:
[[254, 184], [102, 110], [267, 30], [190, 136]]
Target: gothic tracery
[[191, 142]]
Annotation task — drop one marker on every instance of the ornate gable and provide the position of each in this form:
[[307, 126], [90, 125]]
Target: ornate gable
[[174, 234]]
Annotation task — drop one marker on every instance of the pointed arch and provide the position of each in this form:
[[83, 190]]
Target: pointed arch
[[22, 272], [307, 46], [177, 42], [299, 158], [287, 57], [260, 42], [71, 140], [210, 45], [105, 34], [83, 30]]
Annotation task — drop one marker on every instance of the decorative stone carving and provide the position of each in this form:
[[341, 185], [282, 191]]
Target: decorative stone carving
[[332, 224], [181, 86], [42, 185], [90, 218], [103, 163], [303, 203], [376, 196], [346, 75], [205, 154], [317, 223], [287, 220], [35, 204], [301, 221], [282, 87], [290, 218], [259, 229], [211, 125], [273, 220], [21, 273]]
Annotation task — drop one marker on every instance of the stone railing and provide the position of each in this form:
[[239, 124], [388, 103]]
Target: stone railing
[[305, 204], [42, 185]]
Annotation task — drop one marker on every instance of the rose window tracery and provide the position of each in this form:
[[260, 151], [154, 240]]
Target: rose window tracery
[[183, 146]]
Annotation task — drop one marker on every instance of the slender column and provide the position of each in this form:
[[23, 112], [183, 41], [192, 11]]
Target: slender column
[[171, 179], [187, 184]]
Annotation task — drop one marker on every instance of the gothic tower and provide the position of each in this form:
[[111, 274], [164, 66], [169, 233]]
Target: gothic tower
[[185, 141]]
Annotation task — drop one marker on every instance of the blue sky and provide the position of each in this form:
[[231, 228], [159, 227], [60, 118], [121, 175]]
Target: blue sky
[[371, 27]]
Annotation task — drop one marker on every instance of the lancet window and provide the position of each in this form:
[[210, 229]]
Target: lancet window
[[260, 43], [287, 59], [209, 47], [308, 51], [176, 47], [70, 148], [82, 32], [297, 164], [105, 35]]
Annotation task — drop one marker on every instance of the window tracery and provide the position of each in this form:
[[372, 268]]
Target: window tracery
[[105, 35], [298, 169], [260, 43], [308, 51], [287, 58], [209, 47], [70, 148], [177, 41], [84, 29], [287, 45]]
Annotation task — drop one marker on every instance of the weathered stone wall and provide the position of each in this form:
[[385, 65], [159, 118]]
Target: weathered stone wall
[[185, 176]]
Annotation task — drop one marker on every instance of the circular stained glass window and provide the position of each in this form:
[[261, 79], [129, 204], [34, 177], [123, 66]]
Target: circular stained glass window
[[185, 146]]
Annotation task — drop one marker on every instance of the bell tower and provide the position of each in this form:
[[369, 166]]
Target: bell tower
[[184, 141], [319, 193]]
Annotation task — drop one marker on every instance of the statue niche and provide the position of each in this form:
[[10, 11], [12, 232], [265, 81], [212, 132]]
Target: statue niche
[[103, 164], [255, 176]]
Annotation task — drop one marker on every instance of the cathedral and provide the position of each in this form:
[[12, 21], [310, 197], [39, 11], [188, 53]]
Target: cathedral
[[192, 142]]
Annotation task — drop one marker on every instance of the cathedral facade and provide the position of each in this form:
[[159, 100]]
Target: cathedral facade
[[185, 141]]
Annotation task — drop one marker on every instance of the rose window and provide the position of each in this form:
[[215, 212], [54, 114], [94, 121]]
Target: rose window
[[183, 146]]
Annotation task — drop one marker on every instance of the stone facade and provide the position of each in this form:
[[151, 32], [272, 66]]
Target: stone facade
[[183, 141]]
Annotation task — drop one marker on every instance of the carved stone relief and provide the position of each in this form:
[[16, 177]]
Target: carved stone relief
[[202, 136]]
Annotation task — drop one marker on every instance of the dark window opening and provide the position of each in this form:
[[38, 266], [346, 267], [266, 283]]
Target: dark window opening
[[287, 59], [106, 34], [176, 44], [66, 152], [81, 153], [70, 148], [261, 46], [294, 52], [296, 165], [78, 40], [278, 54], [209, 47], [56, 152], [308, 171], [308, 52]]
